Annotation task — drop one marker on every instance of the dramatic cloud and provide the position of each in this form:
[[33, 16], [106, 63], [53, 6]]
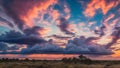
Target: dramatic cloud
[[24, 40], [94, 5], [60, 37], [3, 46], [76, 46], [116, 36], [11, 34], [59, 27], [36, 30], [18, 38], [80, 45], [24, 11], [5, 22], [64, 26], [23, 15]]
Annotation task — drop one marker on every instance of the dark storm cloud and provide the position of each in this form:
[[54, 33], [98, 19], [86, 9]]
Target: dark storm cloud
[[24, 40], [34, 30], [64, 26], [3, 46], [60, 37], [11, 34], [76, 46], [18, 38], [80, 45], [47, 48]]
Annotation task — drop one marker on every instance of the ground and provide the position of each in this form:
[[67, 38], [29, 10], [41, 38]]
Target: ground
[[56, 64]]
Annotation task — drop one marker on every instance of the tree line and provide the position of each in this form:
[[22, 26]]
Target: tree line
[[79, 59]]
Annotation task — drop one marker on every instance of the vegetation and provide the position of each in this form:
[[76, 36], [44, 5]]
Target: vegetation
[[80, 62], [82, 59]]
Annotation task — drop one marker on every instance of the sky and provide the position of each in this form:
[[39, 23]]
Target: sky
[[60, 28]]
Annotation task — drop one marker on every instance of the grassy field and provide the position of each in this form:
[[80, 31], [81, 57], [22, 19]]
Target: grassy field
[[80, 62], [58, 64]]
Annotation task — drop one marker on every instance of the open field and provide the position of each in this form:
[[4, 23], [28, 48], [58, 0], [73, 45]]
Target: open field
[[58, 64]]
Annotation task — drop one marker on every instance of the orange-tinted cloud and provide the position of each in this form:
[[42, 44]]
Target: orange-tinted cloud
[[24, 12], [114, 22], [94, 5], [43, 32], [110, 17], [117, 54], [34, 11], [110, 21], [54, 13], [106, 21], [73, 29]]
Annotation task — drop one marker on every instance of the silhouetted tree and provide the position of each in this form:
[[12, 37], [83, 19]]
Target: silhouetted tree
[[26, 59], [65, 60], [80, 59], [33, 60], [84, 59], [75, 60]]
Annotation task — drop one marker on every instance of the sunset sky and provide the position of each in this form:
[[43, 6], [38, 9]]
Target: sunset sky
[[53, 29]]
